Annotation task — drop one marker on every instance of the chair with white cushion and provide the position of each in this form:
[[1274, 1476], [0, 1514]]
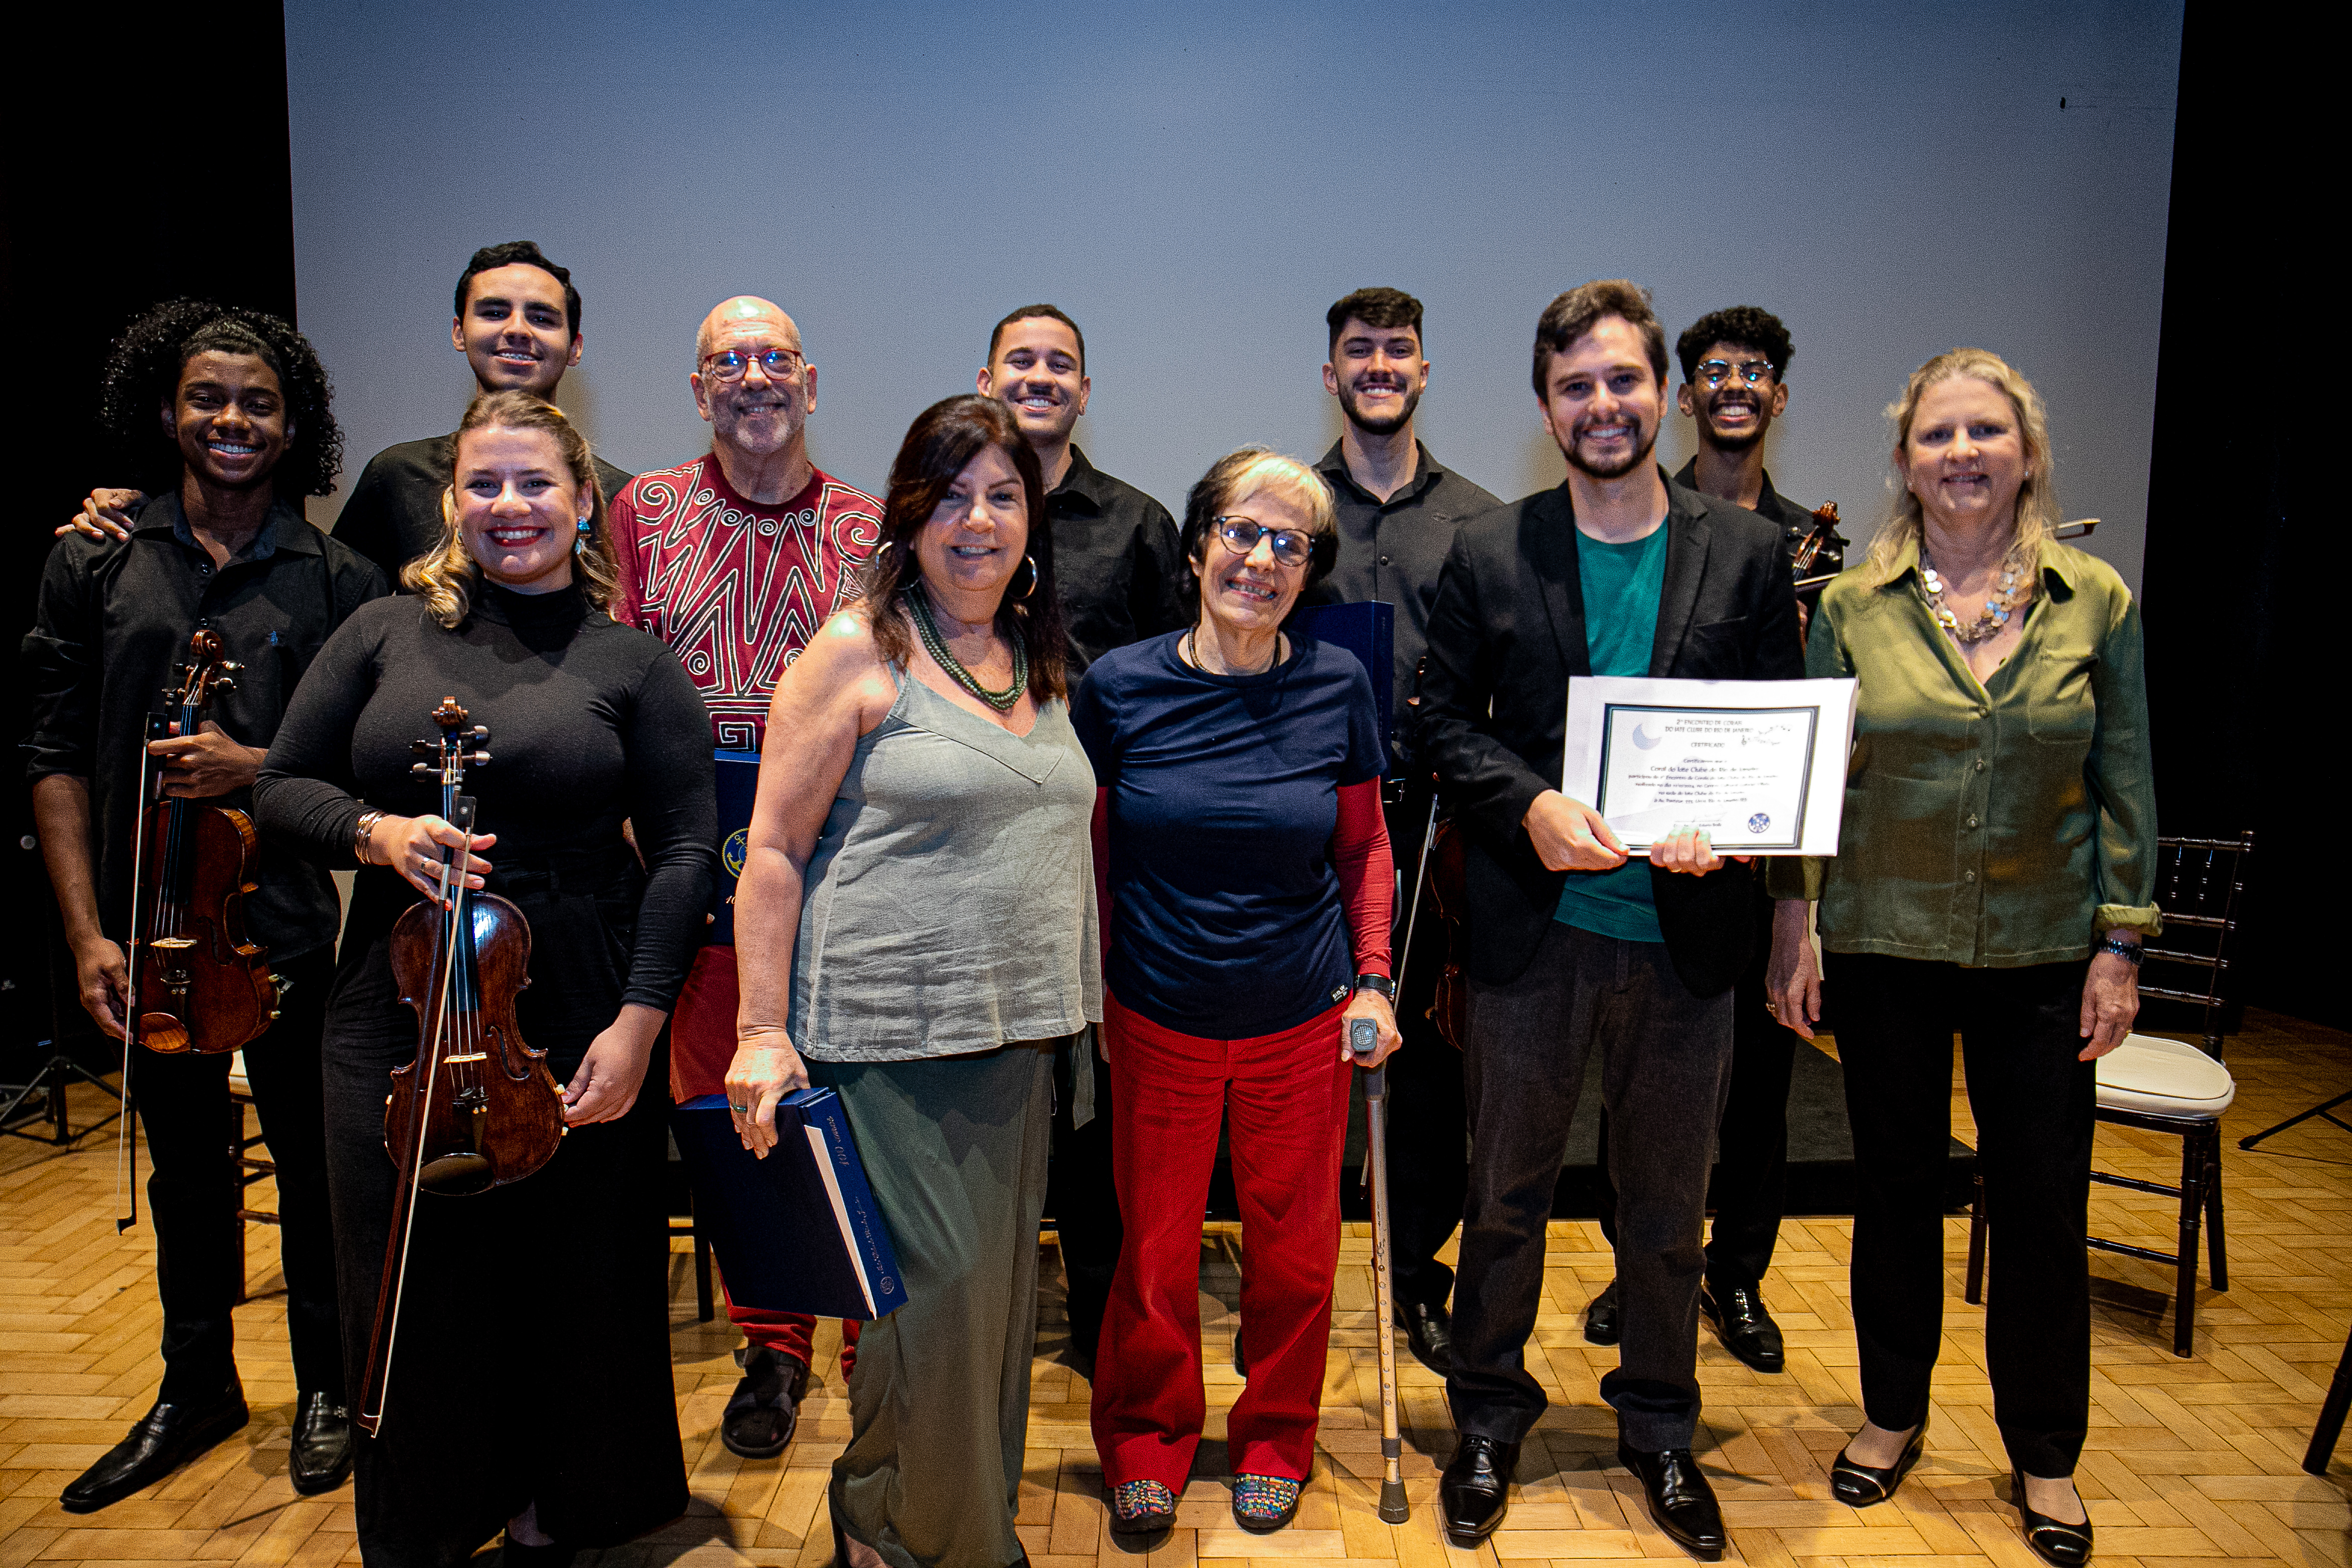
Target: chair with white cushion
[[2171, 1086]]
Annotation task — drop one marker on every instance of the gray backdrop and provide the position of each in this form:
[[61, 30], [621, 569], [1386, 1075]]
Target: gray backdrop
[[1196, 184]]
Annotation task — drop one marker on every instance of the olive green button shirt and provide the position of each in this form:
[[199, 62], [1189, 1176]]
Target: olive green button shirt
[[2002, 823]]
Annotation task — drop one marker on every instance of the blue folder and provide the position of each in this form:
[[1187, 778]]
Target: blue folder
[[1367, 629], [798, 1231], [739, 785]]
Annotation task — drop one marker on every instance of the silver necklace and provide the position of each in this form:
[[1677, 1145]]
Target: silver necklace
[[1994, 617]]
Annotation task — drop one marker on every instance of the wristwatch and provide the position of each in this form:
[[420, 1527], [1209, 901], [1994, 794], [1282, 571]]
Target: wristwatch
[[1379, 983], [2131, 952]]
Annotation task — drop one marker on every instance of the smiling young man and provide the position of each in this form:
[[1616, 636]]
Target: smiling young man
[[1573, 947], [734, 560], [1397, 509], [223, 415]]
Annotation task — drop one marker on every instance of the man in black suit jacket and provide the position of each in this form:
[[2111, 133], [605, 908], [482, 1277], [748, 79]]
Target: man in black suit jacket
[[1572, 946]]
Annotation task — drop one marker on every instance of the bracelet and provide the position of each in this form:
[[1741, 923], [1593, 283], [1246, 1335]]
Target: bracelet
[[1379, 983], [360, 834], [2130, 952]]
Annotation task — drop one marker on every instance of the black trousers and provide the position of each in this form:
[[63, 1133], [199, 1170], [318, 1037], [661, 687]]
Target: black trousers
[[1429, 1131], [2033, 1104], [1751, 1153], [1665, 1064], [1080, 1192], [192, 1194]]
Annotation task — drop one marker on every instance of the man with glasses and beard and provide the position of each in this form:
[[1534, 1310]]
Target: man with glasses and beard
[[734, 560], [1397, 511], [1574, 947], [1735, 383]]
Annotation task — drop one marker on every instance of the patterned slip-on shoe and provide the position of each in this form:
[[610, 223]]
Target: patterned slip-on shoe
[[1263, 1504], [1140, 1508]]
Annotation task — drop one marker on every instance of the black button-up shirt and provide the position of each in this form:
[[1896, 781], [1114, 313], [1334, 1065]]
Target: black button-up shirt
[[1392, 549], [1795, 522], [113, 624], [394, 513], [1116, 561]]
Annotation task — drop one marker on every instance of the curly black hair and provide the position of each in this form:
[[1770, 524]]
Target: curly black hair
[[1743, 325], [143, 376]]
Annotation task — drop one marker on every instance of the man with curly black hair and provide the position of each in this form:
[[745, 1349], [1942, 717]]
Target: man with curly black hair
[[225, 415]]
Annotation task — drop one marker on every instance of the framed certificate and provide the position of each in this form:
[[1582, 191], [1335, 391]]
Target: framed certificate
[[1760, 765]]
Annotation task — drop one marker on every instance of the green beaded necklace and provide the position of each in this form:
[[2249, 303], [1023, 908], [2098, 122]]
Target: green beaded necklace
[[918, 607]]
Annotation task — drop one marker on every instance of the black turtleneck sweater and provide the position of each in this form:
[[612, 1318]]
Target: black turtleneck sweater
[[590, 723]]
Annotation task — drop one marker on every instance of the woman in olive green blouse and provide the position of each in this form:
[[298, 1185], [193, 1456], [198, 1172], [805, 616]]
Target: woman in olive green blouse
[[1995, 874]]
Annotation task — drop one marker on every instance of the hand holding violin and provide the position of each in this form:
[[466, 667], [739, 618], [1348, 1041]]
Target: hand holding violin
[[206, 763], [415, 847]]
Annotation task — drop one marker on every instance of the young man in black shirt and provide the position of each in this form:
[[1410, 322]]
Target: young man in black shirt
[[245, 432], [1115, 559], [1397, 512]]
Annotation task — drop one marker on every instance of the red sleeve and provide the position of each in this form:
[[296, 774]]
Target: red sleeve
[[1367, 874], [1101, 833], [621, 524]]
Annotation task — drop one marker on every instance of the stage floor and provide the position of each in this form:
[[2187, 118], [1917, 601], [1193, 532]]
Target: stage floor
[[2187, 1460]]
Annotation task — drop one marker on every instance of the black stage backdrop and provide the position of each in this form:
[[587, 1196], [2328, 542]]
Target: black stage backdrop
[[151, 161]]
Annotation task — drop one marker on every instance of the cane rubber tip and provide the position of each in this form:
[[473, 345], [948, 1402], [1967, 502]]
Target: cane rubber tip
[[1393, 1508]]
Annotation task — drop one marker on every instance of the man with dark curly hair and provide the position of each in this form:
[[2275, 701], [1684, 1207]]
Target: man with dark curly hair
[[224, 415]]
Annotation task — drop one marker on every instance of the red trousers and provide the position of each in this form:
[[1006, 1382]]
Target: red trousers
[[1287, 1097], [701, 1045]]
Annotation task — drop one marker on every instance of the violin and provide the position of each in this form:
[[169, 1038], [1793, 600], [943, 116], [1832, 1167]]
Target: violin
[[1808, 550], [478, 1108], [198, 983]]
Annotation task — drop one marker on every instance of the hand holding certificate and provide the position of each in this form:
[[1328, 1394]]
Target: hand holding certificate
[[1758, 765]]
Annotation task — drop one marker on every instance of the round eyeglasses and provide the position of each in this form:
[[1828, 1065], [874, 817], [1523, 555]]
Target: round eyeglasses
[[1292, 547], [729, 365], [1715, 372]]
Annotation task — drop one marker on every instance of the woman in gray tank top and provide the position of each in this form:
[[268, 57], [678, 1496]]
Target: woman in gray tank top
[[916, 929]]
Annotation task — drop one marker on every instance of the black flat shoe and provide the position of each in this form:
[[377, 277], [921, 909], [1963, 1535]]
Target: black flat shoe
[[1746, 1328], [2057, 1543], [1864, 1485], [1473, 1494], [321, 1453], [1600, 1318], [163, 1440], [766, 1405], [1429, 1334], [1680, 1500]]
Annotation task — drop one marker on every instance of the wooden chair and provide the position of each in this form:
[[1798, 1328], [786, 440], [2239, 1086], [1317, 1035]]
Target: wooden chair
[[2331, 1415], [2168, 1086], [247, 1169]]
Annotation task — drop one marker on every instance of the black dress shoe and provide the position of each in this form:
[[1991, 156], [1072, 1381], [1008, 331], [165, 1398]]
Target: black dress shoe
[[1472, 1494], [163, 1440], [322, 1454], [1600, 1318], [1746, 1329], [1429, 1334], [766, 1405], [2060, 1544], [1860, 1486], [1680, 1500]]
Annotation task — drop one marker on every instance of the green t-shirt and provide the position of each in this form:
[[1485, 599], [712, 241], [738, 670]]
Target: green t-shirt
[[1622, 583]]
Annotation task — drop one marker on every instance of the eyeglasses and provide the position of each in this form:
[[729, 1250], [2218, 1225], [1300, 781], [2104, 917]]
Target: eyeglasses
[[729, 365], [1713, 372], [1292, 547]]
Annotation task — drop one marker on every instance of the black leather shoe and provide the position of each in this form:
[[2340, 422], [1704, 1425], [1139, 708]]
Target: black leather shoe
[[1473, 1493], [1429, 1334], [322, 1454], [163, 1440], [2059, 1544], [1600, 1318], [1860, 1486], [1747, 1330], [766, 1405], [1680, 1500]]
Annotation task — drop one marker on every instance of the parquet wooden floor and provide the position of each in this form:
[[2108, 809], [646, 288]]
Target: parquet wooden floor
[[2187, 1462]]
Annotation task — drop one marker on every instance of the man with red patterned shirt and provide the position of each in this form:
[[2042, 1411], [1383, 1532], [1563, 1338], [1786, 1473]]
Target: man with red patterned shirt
[[735, 560]]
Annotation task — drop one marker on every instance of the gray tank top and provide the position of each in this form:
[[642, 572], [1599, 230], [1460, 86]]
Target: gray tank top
[[950, 906]]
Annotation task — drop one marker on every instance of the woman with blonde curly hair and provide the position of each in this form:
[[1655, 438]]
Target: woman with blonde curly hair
[[569, 1435], [1995, 877]]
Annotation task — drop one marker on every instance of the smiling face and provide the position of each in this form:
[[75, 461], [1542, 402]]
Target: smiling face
[[759, 411], [976, 538], [514, 331], [1378, 376], [1252, 593], [1038, 373], [1965, 458], [1602, 401], [519, 508], [228, 417], [1733, 417]]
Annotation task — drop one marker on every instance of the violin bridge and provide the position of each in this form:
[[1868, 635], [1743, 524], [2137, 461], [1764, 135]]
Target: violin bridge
[[468, 1057]]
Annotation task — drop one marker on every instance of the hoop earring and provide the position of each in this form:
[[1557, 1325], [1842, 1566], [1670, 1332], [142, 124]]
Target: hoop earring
[[1032, 591]]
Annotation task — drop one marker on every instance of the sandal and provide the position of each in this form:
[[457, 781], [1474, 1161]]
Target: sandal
[[1141, 1508], [1263, 1504]]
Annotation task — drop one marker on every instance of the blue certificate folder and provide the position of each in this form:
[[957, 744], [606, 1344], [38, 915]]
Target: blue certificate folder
[[1367, 629], [798, 1231], [739, 785]]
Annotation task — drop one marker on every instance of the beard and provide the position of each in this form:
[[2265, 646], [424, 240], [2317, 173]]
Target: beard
[[1377, 426], [1614, 470]]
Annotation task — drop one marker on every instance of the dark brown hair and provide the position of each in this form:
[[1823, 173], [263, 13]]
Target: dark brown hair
[[1382, 310], [943, 439], [1575, 313], [1029, 312]]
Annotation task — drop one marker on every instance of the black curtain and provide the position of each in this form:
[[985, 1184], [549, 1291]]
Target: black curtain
[[2245, 588], [148, 159]]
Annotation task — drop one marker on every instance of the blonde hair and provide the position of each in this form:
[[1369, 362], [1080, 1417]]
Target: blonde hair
[[443, 576], [2037, 504]]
